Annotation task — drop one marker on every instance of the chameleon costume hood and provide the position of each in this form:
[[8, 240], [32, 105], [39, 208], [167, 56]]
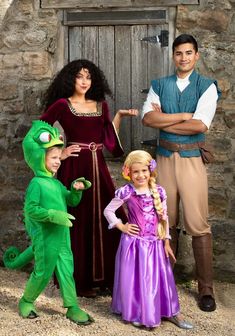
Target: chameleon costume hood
[[39, 138]]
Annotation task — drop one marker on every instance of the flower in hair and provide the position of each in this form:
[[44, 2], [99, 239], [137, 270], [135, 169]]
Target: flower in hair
[[152, 165], [125, 173]]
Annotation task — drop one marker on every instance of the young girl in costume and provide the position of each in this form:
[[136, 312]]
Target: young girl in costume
[[144, 287], [76, 99], [47, 223]]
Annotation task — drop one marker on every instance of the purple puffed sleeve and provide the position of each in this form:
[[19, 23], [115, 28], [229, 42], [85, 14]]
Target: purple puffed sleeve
[[121, 195], [163, 197]]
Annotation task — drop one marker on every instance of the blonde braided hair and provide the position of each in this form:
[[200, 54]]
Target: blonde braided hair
[[143, 157]]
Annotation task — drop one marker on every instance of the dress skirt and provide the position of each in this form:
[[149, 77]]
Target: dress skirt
[[144, 285]]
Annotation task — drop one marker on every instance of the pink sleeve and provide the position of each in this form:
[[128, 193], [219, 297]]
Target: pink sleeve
[[121, 195], [109, 212]]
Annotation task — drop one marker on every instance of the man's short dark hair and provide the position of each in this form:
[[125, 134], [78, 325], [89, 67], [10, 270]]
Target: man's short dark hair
[[184, 38]]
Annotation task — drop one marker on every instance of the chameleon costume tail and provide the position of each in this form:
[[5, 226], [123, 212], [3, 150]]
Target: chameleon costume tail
[[13, 259]]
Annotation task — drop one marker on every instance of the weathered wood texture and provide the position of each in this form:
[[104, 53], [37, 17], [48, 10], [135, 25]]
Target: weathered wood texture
[[107, 17], [112, 3]]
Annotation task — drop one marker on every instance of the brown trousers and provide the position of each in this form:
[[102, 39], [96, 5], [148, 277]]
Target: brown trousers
[[185, 180]]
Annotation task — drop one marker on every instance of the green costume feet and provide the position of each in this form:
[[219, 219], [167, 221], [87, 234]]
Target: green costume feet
[[78, 316], [27, 309]]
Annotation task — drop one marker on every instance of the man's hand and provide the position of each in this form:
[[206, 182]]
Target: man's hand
[[159, 119]]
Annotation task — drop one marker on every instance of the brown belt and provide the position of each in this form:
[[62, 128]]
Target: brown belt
[[176, 147], [92, 146], [97, 239]]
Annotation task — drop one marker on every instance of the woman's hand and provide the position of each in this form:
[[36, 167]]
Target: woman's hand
[[71, 150], [130, 229], [168, 250], [123, 113], [128, 113]]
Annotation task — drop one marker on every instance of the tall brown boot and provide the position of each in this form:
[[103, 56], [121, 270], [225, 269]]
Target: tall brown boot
[[202, 250], [174, 242]]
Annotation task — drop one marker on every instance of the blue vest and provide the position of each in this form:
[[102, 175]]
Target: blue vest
[[174, 101]]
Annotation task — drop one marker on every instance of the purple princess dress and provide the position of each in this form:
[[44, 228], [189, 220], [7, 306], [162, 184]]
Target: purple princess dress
[[144, 286]]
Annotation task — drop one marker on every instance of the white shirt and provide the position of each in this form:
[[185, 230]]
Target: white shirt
[[206, 105]]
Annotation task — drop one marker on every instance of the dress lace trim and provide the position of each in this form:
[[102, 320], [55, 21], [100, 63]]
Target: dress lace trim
[[86, 114]]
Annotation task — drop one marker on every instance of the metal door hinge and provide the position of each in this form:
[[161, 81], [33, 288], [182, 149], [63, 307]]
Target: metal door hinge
[[161, 39]]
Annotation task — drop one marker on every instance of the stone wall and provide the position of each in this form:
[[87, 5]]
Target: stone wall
[[29, 55]]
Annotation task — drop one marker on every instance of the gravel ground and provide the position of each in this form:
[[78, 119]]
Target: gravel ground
[[52, 320]]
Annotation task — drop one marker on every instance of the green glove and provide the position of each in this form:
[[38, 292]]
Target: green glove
[[60, 217], [87, 184]]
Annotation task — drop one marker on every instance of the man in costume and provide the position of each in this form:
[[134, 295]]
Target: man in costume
[[182, 106], [47, 223]]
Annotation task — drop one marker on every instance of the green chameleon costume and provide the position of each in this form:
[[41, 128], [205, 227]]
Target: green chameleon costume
[[47, 223]]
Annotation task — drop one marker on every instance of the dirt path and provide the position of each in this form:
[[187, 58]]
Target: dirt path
[[52, 321]]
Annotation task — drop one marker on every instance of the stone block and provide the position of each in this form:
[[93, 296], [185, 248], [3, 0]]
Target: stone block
[[36, 65], [216, 19]]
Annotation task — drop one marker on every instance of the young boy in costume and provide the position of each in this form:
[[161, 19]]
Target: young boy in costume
[[47, 223]]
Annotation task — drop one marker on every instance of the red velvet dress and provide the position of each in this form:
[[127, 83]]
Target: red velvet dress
[[94, 246]]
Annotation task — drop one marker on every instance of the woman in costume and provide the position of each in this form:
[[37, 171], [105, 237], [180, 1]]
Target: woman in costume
[[144, 287], [76, 99]]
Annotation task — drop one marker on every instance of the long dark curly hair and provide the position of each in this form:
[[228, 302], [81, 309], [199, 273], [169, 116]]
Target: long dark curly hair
[[63, 84]]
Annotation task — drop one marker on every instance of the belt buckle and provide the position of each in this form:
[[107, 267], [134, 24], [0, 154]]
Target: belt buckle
[[179, 147], [93, 147]]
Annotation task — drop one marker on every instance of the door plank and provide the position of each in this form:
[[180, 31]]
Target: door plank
[[139, 60], [122, 80], [106, 59], [90, 44], [75, 43]]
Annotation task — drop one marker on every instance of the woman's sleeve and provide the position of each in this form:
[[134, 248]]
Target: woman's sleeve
[[111, 140], [54, 112], [163, 198]]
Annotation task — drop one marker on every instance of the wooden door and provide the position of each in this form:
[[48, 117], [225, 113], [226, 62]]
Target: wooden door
[[129, 64]]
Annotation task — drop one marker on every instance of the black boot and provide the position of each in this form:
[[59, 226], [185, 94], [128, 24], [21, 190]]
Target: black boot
[[202, 249]]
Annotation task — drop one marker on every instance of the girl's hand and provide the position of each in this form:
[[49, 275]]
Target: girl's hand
[[128, 113], [130, 229], [71, 150], [168, 250], [78, 185]]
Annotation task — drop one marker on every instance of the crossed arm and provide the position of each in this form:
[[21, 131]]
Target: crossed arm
[[182, 123], [178, 123]]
